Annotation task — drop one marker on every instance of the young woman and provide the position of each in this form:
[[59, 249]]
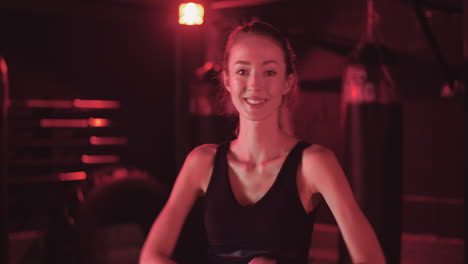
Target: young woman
[[261, 189]]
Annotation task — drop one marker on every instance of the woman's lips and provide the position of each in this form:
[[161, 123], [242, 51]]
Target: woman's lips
[[255, 102]]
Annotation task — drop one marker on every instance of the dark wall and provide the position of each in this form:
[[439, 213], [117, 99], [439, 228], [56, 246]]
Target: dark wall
[[432, 157], [91, 52]]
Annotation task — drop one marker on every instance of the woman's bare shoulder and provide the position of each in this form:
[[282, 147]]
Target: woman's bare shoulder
[[200, 164], [316, 151], [321, 168], [317, 158], [204, 152]]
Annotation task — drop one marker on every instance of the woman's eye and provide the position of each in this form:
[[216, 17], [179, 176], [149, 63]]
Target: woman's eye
[[242, 72], [270, 73]]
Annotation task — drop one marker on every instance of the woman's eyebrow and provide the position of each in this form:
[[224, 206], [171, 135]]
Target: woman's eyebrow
[[263, 63], [270, 61], [242, 62]]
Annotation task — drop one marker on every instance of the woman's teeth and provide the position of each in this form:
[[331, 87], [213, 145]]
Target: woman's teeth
[[255, 101]]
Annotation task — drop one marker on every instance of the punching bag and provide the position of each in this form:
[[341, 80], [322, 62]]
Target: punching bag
[[372, 120], [373, 147]]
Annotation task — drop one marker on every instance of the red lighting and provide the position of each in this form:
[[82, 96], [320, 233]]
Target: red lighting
[[191, 14], [90, 122], [77, 103], [64, 123], [38, 103], [96, 159], [72, 176], [99, 122], [94, 140], [102, 104]]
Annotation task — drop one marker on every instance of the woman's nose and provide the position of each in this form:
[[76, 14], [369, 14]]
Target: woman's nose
[[255, 81]]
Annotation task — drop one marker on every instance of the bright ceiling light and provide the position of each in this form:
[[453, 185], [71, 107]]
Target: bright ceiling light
[[191, 14]]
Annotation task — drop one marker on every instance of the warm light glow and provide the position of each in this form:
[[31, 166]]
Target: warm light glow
[[94, 140], [99, 122], [77, 103], [90, 122], [96, 159], [72, 176], [102, 104], [191, 14], [354, 92]]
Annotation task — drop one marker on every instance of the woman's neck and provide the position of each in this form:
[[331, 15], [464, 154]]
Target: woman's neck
[[261, 141]]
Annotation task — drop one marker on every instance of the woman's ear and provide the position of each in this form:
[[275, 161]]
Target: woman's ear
[[225, 78], [290, 81]]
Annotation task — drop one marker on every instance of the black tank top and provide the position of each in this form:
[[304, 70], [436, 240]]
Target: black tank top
[[276, 226]]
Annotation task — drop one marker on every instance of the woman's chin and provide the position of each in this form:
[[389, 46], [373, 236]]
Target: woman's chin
[[257, 117]]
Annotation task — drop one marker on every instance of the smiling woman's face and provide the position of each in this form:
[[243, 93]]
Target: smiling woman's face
[[256, 76]]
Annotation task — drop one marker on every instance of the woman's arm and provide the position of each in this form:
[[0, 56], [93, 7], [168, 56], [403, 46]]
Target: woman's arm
[[190, 183], [324, 173]]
